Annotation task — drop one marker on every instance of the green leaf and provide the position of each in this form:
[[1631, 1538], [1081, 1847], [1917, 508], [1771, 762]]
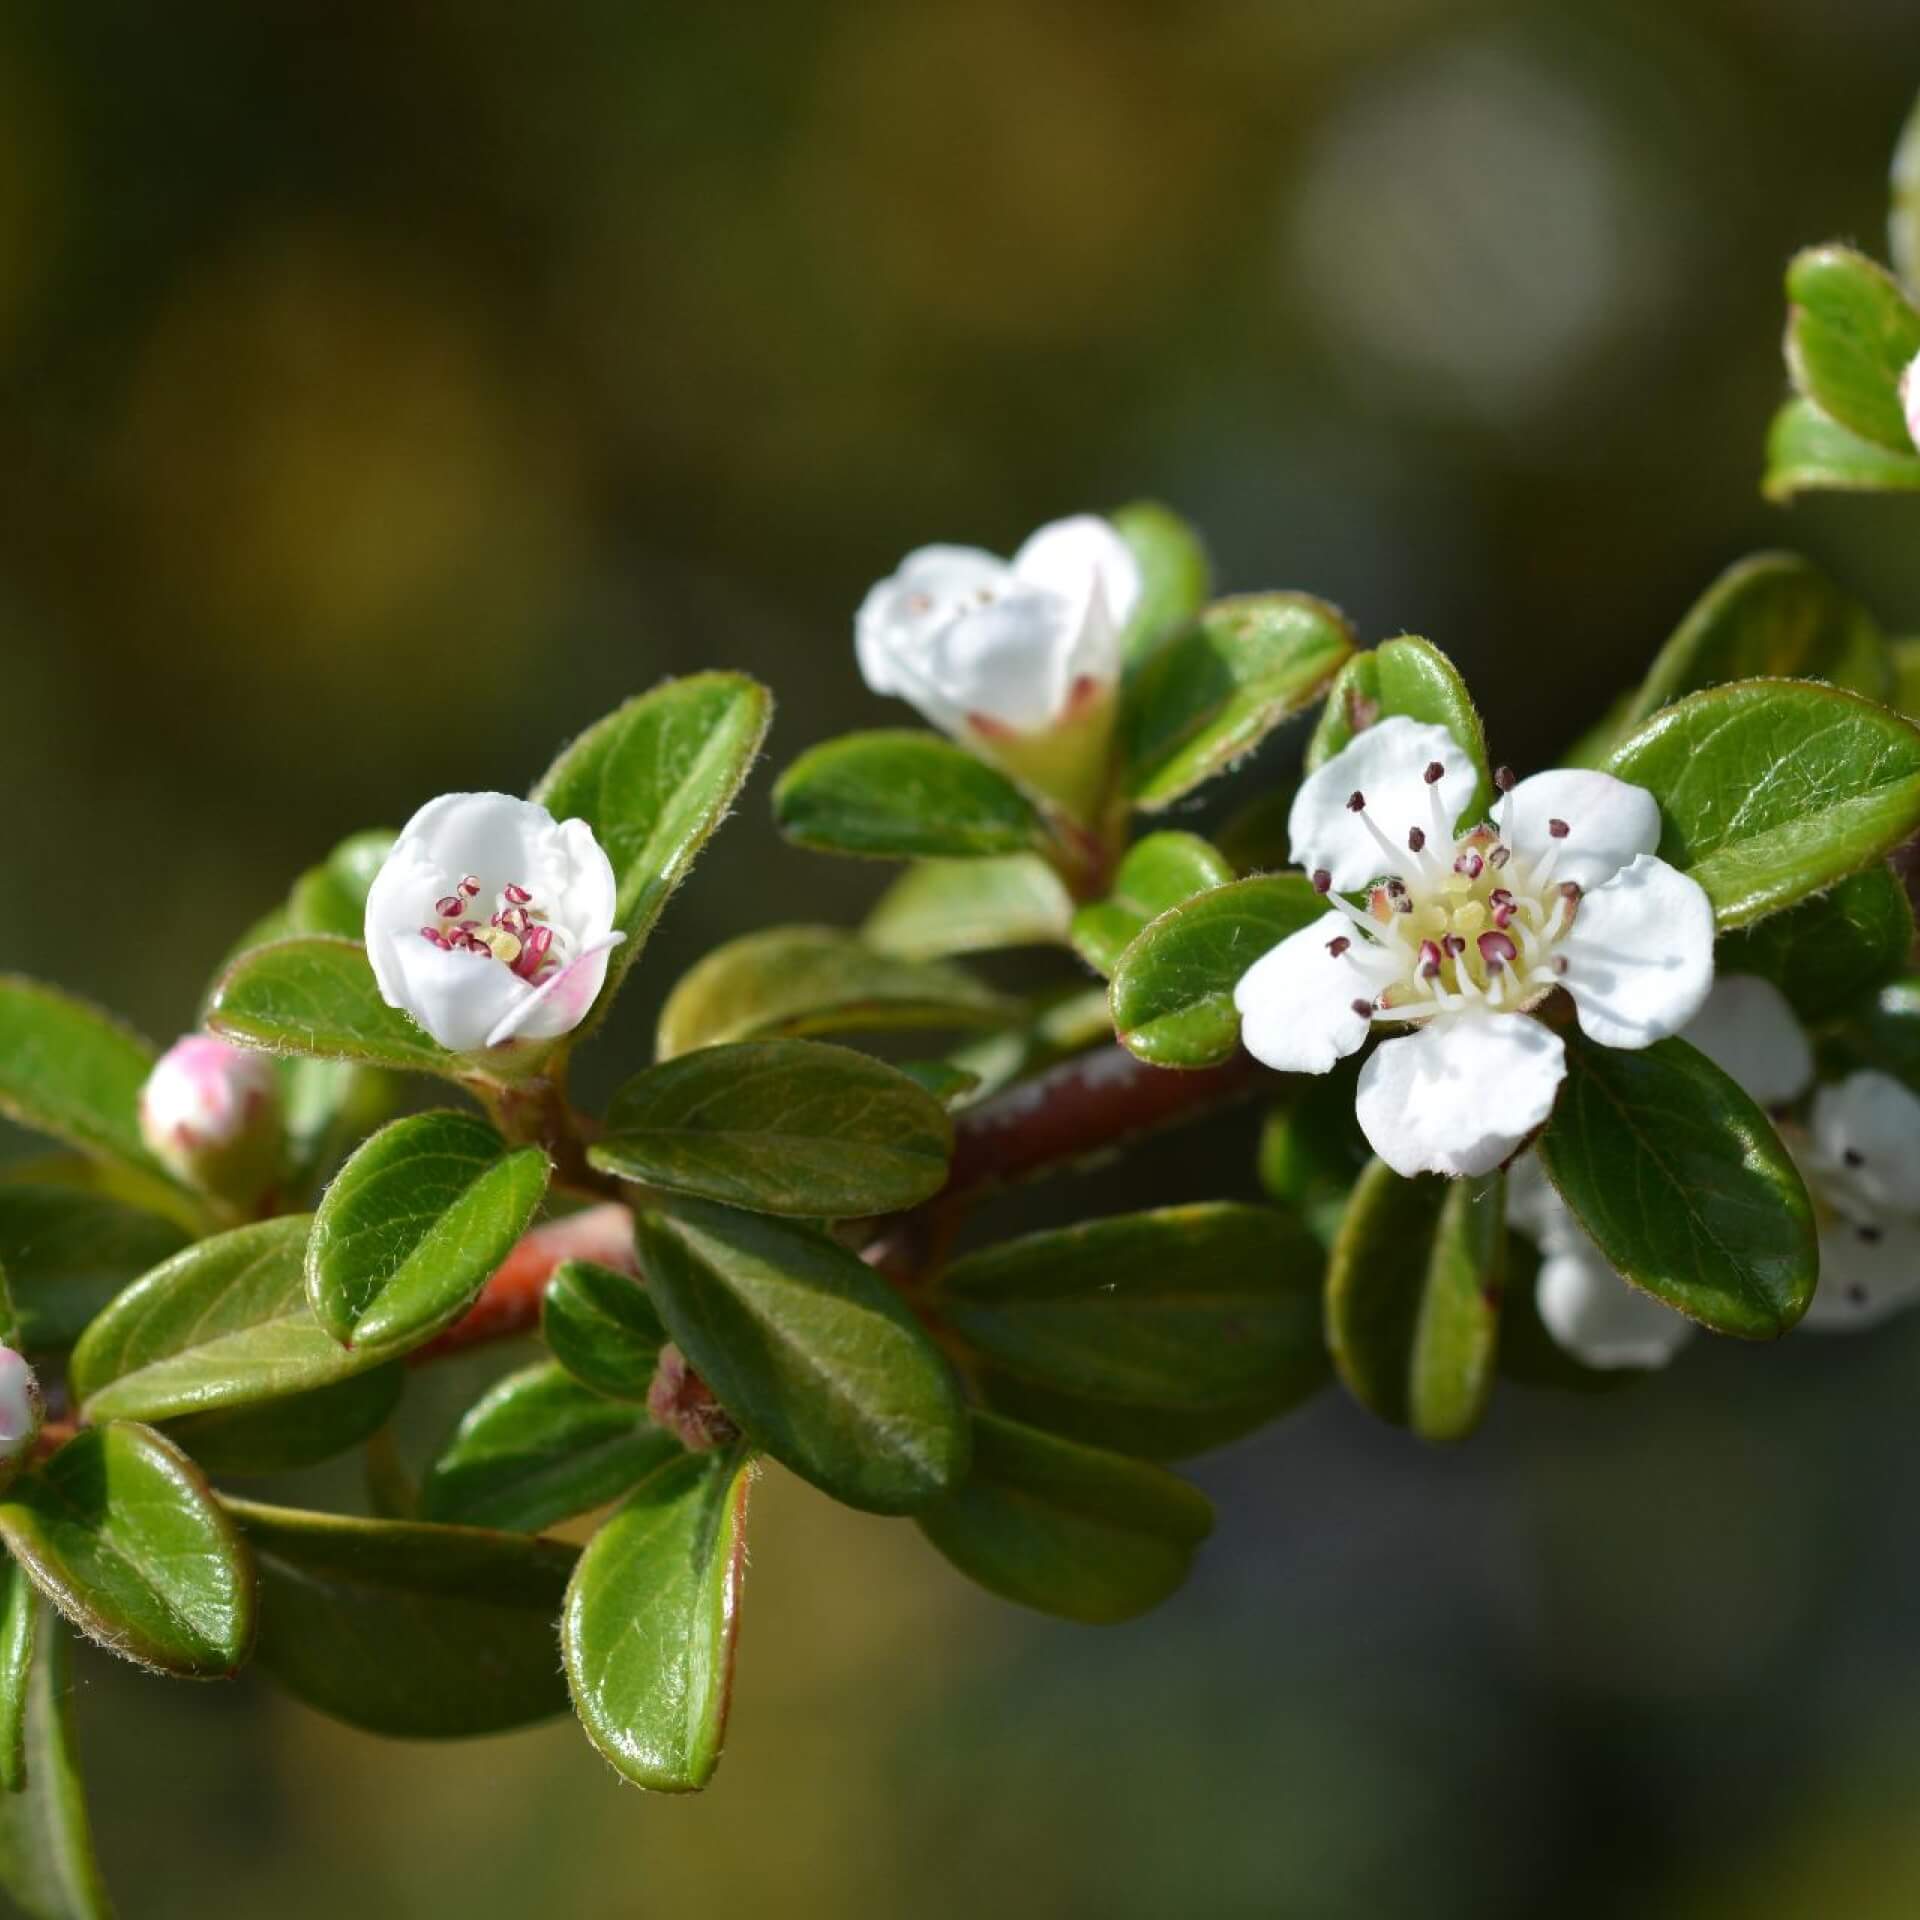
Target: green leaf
[[653, 780], [1808, 453], [1771, 790], [282, 1436], [1068, 1529], [46, 1846], [538, 1448], [799, 980], [413, 1226], [1257, 839], [1414, 1284], [1684, 1187], [780, 1126], [1158, 872], [1772, 615], [224, 1323], [316, 995], [651, 1619], [952, 1086], [332, 897], [1831, 949], [1175, 578], [602, 1327], [1312, 1149], [68, 1252], [903, 793], [1172, 995], [1884, 1034], [1906, 677], [815, 1356], [119, 1530], [1413, 678], [19, 1619], [1210, 694], [939, 907], [1154, 1333], [72, 1071], [408, 1630], [1851, 333]]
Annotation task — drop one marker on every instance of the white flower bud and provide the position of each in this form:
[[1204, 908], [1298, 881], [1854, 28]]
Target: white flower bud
[[20, 1411], [1910, 398], [211, 1112]]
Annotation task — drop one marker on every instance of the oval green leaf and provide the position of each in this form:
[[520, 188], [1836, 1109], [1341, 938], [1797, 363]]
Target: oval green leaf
[[20, 1606], [332, 897], [68, 1252], [282, 1436], [1832, 949], [941, 907], [602, 1327], [1158, 872], [1808, 453], [1851, 333], [1175, 576], [72, 1071]]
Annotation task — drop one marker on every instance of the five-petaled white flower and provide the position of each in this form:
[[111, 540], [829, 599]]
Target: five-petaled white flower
[[1858, 1151], [1462, 934], [491, 921], [1910, 398], [1007, 656]]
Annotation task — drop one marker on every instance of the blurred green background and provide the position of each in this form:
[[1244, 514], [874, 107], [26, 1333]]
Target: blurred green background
[[386, 389]]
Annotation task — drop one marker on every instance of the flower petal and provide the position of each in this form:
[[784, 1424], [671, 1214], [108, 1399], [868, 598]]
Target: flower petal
[[559, 1003], [1640, 955], [1461, 1095], [1607, 823], [1597, 1317], [1077, 556], [1386, 764], [1867, 1131], [1863, 1280], [459, 997], [924, 593], [1748, 1031], [1297, 1001]]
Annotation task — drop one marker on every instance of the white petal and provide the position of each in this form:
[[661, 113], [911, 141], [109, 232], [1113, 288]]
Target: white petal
[[458, 997], [1079, 556], [1009, 661], [1296, 1001], [1867, 1130], [1533, 1202], [1387, 765], [1910, 398], [1748, 1031], [20, 1406], [585, 892], [561, 1001], [1862, 1281], [1607, 822], [1640, 955], [1598, 1318], [398, 904], [1459, 1096], [930, 586]]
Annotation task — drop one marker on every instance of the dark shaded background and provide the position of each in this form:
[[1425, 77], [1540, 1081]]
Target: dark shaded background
[[387, 389]]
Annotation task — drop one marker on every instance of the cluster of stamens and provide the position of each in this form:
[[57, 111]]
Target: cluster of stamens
[[518, 933], [1473, 929]]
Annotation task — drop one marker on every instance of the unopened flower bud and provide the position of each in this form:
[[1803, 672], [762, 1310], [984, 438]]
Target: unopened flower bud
[[683, 1403], [1910, 398], [211, 1112], [20, 1412]]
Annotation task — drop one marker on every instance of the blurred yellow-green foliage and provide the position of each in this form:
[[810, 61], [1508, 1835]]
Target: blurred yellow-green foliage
[[385, 389]]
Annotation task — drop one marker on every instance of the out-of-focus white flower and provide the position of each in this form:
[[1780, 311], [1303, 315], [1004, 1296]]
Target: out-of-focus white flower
[[1016, 659], [1463, 934], [491, 921], [1910, 398], [20, 1410], [211, 1111]]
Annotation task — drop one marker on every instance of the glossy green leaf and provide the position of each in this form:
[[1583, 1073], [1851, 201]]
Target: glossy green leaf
[[20, 1606], [1154, 1333], [72, 1071], [1068, 1529], [1312, 1149], [1851, 333], [902, 793], [780, 1126], [119, 1530], [1210, 694], [405, 1629], [1413, 678], [1175, 577], [1172, 995], [800, 980], [414, 1224], [1884, 1033], [603, 1328], [651, 1619], [282, 1436], [332, 897], [653, 780], [46, 1845], [940, 907], [329, 1107], [1683, 1185], [1809, 453], [1158, 872], [538, 1448], [815, 1356], [316, 995], [224, 1323], [1771, 790], [67, 1252], [1831, 949], [1774, 614], [1414, 1284]]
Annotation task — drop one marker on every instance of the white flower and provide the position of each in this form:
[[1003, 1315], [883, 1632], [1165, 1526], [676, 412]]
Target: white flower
[[1860, 1158], [1463, 934], [211, 1112], [490, 921], [20, 1407], [1910, 398]]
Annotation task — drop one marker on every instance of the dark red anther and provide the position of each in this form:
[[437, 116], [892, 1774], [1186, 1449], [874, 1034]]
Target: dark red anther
[[1503, 779], [1502, 911], [1430, 959], [1416, 839], [1338, 945], [448, 906], [1364, 1008], [1356, 801], [1558, 828], [1322, 880], [1499, 856], [470, 885], [438, 938], [1435, 772], [1470, 864], [1454, 945], [517, 896], [1497, 950]]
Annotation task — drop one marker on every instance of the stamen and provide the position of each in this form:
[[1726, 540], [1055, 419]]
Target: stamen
[[516, 895], [1503, 779], [1429, 960], [448, 906], [1470, 864], [1558, 828], [1499, 856], [1338, 945], [1364, 1008], [1416, 840], [1497, 951], [470, 886], [1435, 772], [1356, 802], [1322, 880], [438, 938]]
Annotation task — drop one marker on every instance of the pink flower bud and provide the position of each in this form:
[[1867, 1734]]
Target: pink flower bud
[[20, 1411], [211, 1112]]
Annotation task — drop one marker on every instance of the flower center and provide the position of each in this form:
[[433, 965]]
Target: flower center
[[519, 933], [1471, 924]]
